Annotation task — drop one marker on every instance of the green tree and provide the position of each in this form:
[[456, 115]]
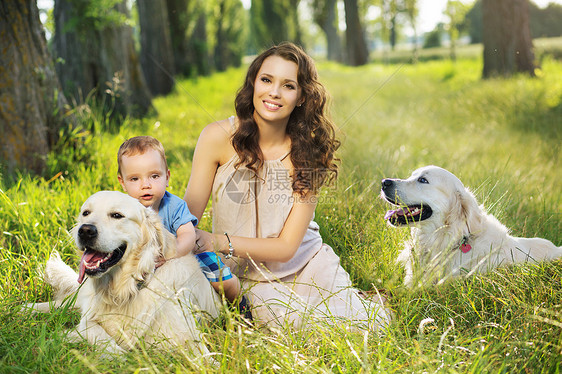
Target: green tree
[[273, 21], [356, 45], [412, 12], [394, 15], [325, 15], [156, 55], [433, 38], [230, 36], [473, 22], [508, 47], [94, 46], [456, 12], [392, 10], [32, 106], [545, 22], [199, 45], [180, 17]]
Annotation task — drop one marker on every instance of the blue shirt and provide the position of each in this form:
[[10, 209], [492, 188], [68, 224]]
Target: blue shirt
[[174, 212]]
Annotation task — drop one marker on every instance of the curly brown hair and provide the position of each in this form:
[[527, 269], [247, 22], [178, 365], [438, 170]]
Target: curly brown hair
[[312, 133]]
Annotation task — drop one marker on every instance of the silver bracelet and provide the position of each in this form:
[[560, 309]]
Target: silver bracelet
[[230, 248]]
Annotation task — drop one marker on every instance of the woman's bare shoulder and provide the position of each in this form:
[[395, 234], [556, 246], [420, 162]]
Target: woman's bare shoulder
[[215, 138], [219, 131]]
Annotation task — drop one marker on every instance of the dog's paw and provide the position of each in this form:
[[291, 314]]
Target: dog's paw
[[55, 255], [35, 308], [60, 276]]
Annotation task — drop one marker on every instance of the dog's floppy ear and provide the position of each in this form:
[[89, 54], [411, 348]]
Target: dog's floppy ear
[[464, 209], [164, 241], [157, 242], [168, 246]]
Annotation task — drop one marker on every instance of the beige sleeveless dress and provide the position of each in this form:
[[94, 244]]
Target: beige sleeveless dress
[[312, 286]]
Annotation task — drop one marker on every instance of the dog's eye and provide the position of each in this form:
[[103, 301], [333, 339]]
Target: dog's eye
[[86, 213], [423, 180], [117, 215]]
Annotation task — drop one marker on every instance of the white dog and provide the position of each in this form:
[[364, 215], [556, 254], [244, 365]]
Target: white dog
[[124, 298], [451, 235]]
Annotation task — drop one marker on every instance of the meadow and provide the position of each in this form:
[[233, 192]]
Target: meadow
[[502, 138]]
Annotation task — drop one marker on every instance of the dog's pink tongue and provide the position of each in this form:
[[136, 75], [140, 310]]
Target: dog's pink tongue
[[86, 257], [82, 271]]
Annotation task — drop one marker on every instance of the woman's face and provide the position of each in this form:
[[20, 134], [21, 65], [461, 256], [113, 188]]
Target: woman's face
[[276, 91]]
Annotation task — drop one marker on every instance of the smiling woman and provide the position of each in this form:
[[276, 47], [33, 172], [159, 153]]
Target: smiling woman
[[279, 150], [276, 94]]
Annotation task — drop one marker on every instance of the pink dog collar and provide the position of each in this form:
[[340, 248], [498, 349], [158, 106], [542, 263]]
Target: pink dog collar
[[465, 247]]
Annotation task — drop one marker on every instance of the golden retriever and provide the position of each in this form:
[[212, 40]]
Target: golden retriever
[[451, 235], [124, 298]]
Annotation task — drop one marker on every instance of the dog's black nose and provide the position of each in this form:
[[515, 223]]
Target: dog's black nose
[[87, 232], [386, 183]]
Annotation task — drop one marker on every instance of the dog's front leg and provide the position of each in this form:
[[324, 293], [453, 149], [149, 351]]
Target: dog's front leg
[[405, 258], [45, 307], [94, 334], [63, 279]]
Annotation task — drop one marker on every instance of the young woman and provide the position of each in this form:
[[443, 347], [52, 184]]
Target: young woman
[[264, 169]]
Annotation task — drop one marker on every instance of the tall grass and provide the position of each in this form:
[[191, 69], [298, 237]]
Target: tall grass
[[501, 137]]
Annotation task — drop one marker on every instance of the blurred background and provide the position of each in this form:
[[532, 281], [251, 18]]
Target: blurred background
[[122, 53]]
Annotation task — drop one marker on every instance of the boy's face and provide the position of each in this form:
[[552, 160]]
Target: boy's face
[[144, 177]]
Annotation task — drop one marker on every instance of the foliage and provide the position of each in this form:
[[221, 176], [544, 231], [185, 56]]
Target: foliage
[[433, 38], [456, 12], [501, 137], [544, 22], [95, 15], [80, 144], [208, 35], [200, 39], [272, 21], [230, 33]]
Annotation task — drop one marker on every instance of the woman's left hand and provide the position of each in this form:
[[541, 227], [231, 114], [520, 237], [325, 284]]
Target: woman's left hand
[[204, 242]]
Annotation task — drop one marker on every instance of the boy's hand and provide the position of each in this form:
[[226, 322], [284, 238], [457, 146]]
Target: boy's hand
[[159, 262]]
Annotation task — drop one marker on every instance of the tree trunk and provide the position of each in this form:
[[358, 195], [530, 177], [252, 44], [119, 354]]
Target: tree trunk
[[75, 69], [198, 47], [157, 58], [102, 59], [412, 11], [296, 26], [230, 42], [392, 38], [221, 49], [356, 46], [331, 29], [508, 47], [179, 22], [271, 22], [31, 100], [325, 15]]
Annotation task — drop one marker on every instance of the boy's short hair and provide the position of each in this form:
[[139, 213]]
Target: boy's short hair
[[139, 145]]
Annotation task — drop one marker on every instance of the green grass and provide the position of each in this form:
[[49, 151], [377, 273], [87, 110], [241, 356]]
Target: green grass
[[501, 137]]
